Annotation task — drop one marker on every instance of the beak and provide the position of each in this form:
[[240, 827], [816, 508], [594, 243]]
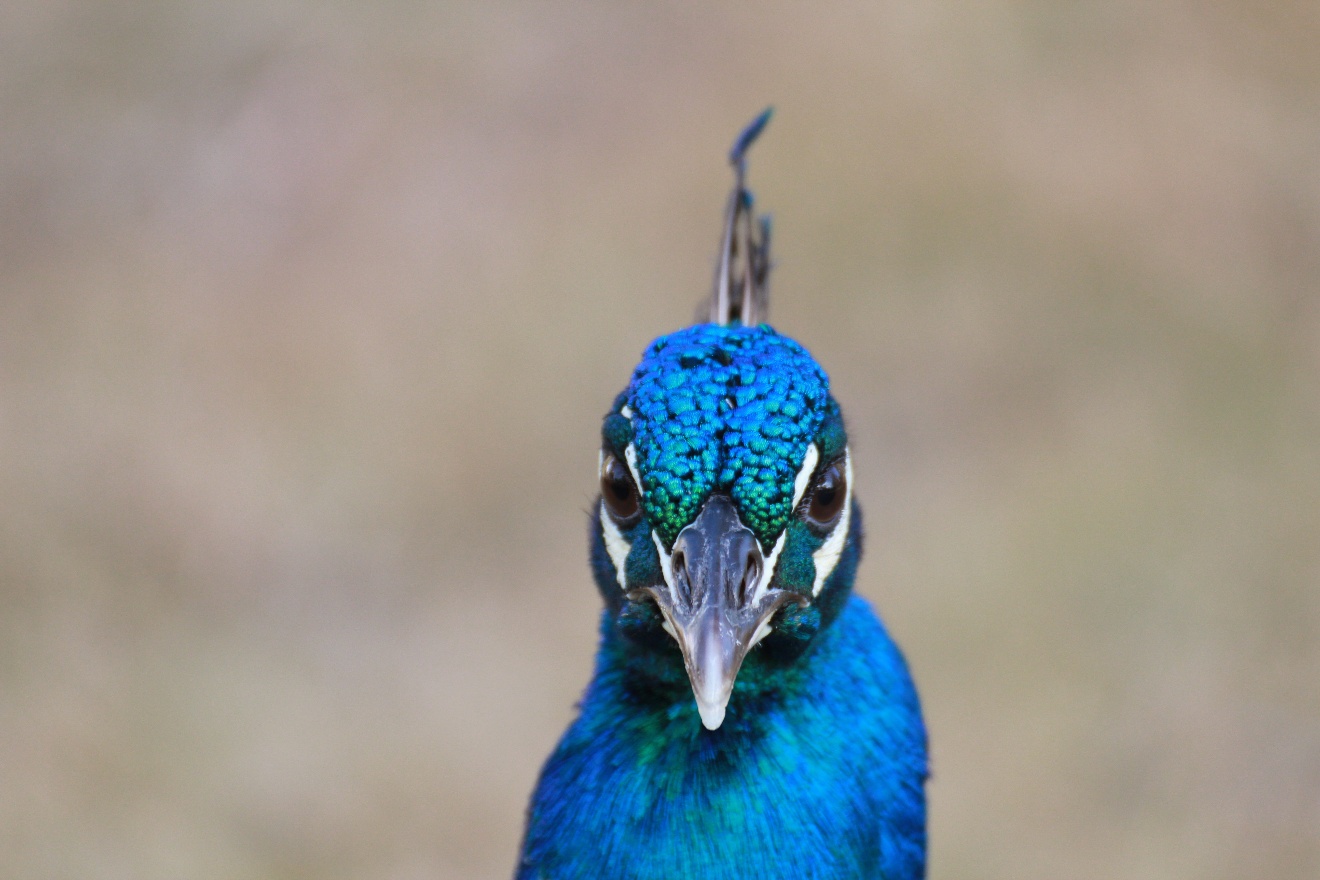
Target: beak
[[715, 603]]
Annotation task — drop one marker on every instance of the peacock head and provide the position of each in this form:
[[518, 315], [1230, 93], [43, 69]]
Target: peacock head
[[726, 518]]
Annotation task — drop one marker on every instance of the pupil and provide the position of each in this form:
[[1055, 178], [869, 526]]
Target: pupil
[[827, 498], [617, 489]]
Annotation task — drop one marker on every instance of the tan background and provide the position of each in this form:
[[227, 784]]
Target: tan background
[[308, 314]]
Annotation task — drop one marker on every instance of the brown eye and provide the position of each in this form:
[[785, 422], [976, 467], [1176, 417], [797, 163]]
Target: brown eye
[[827, 495], [617, 489]]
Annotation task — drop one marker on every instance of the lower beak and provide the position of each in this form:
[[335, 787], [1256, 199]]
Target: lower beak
[[717, 605]]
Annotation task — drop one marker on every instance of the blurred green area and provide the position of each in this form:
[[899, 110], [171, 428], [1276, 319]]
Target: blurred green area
[[308, 314]]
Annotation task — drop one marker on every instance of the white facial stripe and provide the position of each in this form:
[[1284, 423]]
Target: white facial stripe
[[666, 562], [626, 412], [827, 557], [768, 568], [630, 456], [804, 476], [615, 545], [667, 572]]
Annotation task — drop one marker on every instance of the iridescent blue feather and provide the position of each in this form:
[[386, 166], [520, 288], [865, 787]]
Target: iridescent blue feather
[[819, 776]]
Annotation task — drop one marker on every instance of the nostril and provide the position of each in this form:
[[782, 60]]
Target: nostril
[[682, 577], [751, 575]]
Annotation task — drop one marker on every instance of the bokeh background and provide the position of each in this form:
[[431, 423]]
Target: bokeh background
[[309, 312]]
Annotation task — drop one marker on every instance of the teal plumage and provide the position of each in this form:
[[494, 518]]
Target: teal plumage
[[732, 406], [748, 716]]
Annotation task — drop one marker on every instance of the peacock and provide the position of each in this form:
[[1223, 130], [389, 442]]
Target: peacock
[[749, 715]]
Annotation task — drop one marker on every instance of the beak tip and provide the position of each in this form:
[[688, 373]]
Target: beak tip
[[712, 714], [712, 703]]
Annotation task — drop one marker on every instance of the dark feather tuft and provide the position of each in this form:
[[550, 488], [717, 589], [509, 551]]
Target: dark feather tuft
[[742, 291]]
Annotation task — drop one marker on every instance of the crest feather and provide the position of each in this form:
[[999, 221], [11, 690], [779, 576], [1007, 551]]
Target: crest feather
[[742, 291]]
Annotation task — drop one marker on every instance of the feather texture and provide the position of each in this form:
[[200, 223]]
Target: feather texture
[[818, 772]]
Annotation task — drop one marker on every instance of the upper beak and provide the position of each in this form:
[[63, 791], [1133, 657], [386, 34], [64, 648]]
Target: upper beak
[[717, 607]]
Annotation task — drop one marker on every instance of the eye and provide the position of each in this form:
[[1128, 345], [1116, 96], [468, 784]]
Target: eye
[[617, 489], [827, 495]]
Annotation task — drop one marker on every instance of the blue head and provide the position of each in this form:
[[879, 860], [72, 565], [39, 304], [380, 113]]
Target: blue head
[[726, 516]]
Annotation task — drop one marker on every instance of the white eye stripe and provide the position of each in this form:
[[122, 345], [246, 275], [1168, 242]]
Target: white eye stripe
[[666, 561], [828, 554], [630, 457], [616, 546], [803, 478], [768, 569]]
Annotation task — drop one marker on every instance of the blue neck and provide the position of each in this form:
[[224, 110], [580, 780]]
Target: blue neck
[[817, 772]]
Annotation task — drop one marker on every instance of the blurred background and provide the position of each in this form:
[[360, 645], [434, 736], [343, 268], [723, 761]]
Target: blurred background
[[309, 313]]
